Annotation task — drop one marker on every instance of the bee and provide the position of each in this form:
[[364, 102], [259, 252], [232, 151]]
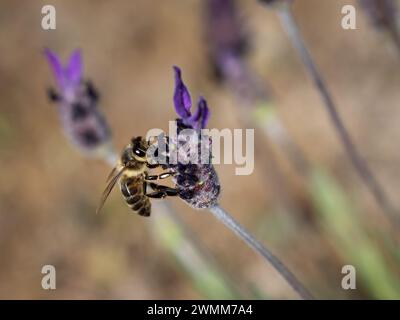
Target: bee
[[132, 173]]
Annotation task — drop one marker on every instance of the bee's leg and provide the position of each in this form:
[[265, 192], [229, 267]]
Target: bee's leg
[[161, 191], [152, 166], [156, 195], [144, 187], [155, 165], [160, 176], [162, 194]]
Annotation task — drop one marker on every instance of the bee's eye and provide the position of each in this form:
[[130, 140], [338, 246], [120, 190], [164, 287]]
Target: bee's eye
[[139, 152]]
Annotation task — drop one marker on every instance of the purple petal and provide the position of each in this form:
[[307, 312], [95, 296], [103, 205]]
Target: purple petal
[[182, 99], [205, 112], [200, 119], [56, 66], [73, 71]]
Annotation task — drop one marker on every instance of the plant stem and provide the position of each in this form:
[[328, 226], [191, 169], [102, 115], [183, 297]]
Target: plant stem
[[234, 226], [356, 159]]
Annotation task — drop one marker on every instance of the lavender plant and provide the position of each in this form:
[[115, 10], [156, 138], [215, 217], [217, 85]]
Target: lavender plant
[[203, 184], [228, 44], [197, 182], [225, 35], [289, 23], [226, 40], [77, 100], [87, 129]]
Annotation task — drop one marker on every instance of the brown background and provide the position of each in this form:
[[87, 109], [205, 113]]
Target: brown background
[[49, 192]]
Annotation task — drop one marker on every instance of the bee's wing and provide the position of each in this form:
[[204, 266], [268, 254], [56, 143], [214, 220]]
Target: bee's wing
[[113, 179], [112, 174]]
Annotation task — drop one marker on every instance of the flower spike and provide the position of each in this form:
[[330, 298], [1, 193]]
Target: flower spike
[[77, 104]]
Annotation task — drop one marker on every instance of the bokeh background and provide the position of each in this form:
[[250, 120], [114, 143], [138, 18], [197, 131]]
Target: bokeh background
[[49, 191]]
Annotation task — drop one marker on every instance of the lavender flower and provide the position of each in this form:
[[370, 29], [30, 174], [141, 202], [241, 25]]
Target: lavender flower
[[77, 102], [183, 104], [224, 32], [197, 182], [227, 43]]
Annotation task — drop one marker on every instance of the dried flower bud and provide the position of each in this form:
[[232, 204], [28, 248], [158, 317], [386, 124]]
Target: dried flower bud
[[196, 179], [77, 102]]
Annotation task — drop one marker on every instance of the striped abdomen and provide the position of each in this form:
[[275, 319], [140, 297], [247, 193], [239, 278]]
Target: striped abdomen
[[132, 189]]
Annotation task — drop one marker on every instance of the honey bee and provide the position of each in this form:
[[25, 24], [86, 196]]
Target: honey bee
[[132, 174]]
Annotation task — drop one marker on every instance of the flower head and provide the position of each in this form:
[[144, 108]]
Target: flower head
[[77, 101], [68, 77], [225, 33], [197, 181]]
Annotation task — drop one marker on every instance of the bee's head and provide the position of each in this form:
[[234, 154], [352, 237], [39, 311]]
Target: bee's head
[[135, 152]]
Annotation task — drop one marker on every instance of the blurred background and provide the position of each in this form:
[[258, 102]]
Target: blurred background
[[315, 223]]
